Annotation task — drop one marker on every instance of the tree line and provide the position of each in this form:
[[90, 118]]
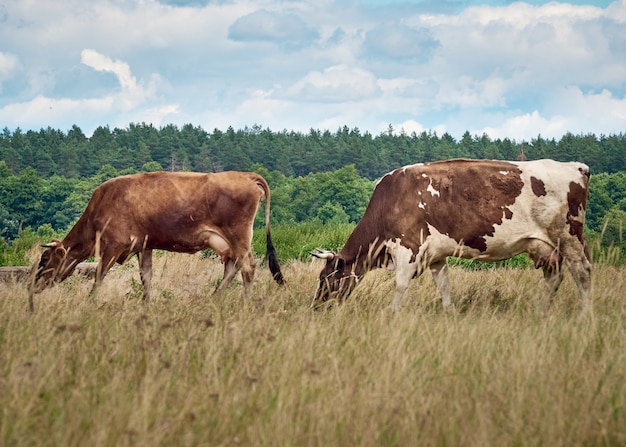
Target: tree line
[[73, 155], [47, 177], [335, 197]]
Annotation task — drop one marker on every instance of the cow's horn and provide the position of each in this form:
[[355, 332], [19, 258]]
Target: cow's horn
[[53, 244], [322, 254]]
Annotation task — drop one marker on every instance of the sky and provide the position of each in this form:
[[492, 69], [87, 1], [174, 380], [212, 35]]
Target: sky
[[506, 69]]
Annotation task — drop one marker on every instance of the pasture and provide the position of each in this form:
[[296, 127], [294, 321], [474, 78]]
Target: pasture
[[191, 370]]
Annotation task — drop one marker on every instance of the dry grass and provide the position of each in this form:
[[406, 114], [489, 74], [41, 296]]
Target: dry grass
[[188, 369]]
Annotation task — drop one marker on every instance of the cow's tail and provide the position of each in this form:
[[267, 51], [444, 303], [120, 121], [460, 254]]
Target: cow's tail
[[271, 256], [586, 177]]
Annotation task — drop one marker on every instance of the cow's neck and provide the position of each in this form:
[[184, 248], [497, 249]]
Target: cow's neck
[[79, 245], [364, 254]]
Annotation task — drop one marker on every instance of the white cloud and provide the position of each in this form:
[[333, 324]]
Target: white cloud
[[9, 65], [516, 70], [338, 83], [468, 92], [599, 113], [285, 29], [120, 69], [525, 126], [157, 115], [393, 41], [409, 126], [52, 111]]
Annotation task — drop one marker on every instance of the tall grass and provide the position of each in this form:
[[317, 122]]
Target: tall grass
[[190, 369], [295, 241]]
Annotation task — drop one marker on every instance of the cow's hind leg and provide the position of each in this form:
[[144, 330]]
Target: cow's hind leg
[[581, 272], [577, 259], [549, 259], [247, 271], [231, 263], [231, 268], [553, 276]]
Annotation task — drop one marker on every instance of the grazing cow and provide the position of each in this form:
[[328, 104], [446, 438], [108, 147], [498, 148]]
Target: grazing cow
[[475, 209], [175, 211]]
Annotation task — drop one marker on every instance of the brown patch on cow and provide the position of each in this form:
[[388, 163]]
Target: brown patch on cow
[[473, 199], [462, 199], [576, 201], [538, 187]]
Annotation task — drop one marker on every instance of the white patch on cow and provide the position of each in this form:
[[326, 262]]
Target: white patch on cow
[[433, 192], [404, 268], [421, 205], [403, 169], [438, 246], [505, 172]]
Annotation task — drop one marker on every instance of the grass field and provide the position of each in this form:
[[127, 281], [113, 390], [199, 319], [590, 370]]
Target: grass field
[[191, 370]]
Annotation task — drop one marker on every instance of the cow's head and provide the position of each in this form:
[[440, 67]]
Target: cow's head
[[51, 267], [337, 279]]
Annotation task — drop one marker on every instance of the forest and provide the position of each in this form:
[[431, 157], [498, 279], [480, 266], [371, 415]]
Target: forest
[[47, 176]]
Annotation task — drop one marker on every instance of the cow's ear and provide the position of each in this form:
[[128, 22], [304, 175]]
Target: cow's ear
[[60, 251], [323, 254], [57, 246]]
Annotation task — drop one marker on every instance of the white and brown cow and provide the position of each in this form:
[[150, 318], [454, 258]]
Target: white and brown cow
[[419, 215], [174, 211]]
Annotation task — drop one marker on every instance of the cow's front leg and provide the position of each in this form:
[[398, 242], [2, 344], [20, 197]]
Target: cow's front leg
[[104, 265], [145, 271], [404, 273]]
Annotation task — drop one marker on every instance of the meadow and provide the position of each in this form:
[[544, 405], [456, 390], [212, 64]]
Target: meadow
[[189, 369]]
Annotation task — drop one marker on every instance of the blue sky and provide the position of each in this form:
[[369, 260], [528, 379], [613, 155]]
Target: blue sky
[[507, 69]]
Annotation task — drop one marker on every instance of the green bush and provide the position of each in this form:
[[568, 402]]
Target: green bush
[[295, 241], [15, 253], [519, 261]]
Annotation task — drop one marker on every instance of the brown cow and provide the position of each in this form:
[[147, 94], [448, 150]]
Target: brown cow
[[420, 215], [181, 212]]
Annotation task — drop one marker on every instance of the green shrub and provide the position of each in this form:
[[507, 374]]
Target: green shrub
[[295, 241], [15, 253]]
